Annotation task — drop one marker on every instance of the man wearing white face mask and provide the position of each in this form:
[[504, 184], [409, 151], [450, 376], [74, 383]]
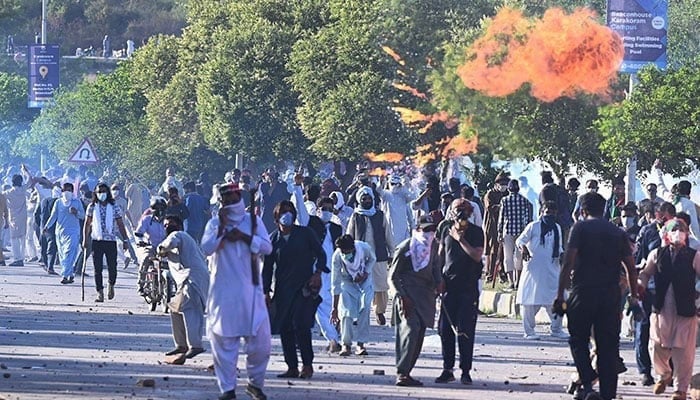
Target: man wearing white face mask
[[353, 264], [103, 217], [397, 211], [66, 215], [296, 262], [235, 241], [327, 232]]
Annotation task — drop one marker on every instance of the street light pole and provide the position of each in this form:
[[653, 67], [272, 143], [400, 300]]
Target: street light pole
[[43, 21]]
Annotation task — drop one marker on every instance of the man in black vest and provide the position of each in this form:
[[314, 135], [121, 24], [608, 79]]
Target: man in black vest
[[675, 268], [648, 239], [327, 232], [367, 225], [595, 252]]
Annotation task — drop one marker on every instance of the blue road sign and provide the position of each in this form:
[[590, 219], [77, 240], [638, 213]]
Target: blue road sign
[[42, 60], [643, 26]]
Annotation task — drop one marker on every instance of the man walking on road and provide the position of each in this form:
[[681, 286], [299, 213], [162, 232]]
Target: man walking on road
[[235, 241], [415, 273], [515, 214], [595, 252], [188, 268], [461, 245], [542, 242], [66, 215]]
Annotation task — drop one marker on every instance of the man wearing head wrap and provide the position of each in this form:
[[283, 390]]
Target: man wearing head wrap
[[341, 210], [461, 248], [515, 213], [675, 268], [541, 242], [170, 182], [235, 249], [416, 274], [368, 225], [395, 204]]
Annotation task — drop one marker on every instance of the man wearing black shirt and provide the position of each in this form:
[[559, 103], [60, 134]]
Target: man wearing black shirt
[[461, 245], [594, 254]]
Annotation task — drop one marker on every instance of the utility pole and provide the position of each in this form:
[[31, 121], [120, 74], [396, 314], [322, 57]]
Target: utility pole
[[43, 21], [631, 182]]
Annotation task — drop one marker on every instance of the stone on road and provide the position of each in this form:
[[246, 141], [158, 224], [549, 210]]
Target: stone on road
[[53, 346]]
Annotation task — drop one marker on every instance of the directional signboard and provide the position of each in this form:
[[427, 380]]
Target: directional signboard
[[84, 154], [643, 27], [42, 60]]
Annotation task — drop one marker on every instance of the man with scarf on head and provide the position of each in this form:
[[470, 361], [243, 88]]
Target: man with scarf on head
[[236, 303], [351, 282], [416, 274], [675, 268], [188, 268], [395, 205], [542, 243], [368, 225], [341, 210], [492, 246], [461, 247], [66, 215], [297, 261]]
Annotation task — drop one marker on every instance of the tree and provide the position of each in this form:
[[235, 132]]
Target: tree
[[15, 117], [518, 125], [661, 120]]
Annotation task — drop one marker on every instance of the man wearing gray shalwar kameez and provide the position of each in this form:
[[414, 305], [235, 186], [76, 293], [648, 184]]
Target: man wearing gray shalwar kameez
[[415, 274], [188, 268]]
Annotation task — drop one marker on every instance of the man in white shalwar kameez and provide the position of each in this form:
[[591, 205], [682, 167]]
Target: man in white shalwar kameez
[[397, 211], [351, 285], [236, 304], [539, 281]]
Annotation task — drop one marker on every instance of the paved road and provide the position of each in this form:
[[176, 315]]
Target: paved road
[[53, 346]]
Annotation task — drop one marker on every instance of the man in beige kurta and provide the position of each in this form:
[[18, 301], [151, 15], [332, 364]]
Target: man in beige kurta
[[673, 323]]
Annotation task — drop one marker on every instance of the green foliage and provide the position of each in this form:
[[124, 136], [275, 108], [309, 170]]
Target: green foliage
[[15, 117], [661, 120]]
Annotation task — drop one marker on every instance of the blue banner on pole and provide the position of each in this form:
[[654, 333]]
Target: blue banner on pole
[[643, 26], [43, 62]]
